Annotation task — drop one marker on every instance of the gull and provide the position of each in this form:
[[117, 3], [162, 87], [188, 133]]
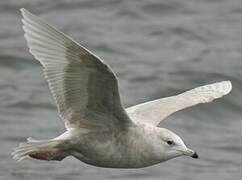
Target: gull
[[99, 131]]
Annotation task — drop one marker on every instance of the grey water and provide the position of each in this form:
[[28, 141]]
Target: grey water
[[157, 48]]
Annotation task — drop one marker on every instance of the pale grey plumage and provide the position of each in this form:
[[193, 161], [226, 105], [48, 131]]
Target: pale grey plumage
[[159, 109], [85, 89], [99, 130]]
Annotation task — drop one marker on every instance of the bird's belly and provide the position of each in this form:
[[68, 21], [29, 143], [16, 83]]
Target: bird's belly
[[113, 152], [116, 160]]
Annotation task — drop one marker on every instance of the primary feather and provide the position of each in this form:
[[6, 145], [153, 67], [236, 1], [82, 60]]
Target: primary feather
[[84, 88], [154, 112]]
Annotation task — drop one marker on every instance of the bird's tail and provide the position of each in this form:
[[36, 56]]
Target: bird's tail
[[39, 149]]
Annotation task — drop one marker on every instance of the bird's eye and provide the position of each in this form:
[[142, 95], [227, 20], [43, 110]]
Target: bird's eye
[[169, 142]]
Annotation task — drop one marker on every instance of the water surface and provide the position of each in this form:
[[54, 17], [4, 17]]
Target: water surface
[[157, 48]]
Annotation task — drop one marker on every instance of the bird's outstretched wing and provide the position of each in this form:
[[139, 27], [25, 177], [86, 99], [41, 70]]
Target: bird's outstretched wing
[[84, 88], [154, 112]]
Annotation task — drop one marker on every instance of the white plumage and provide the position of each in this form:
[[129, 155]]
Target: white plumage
[[159, 109], [81, 84], [99, 130]]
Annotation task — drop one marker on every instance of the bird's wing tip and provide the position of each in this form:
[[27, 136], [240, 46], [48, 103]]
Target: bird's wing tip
[[227, 86], [22, 10]]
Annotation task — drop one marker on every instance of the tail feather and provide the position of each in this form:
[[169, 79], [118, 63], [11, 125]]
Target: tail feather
[[39, 149]]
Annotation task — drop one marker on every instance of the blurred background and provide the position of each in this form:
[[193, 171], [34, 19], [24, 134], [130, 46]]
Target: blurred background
[[157, 48]]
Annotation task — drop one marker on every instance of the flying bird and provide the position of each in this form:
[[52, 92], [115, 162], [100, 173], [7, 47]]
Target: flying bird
[[99, 131]]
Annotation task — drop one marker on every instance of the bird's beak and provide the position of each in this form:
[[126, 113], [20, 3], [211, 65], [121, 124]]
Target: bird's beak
[[189, 152]]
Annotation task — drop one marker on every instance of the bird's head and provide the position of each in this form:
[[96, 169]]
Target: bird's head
[[173, 146]]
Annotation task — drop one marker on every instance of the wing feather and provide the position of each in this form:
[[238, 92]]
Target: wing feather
[[84, 88], [154, 112]]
